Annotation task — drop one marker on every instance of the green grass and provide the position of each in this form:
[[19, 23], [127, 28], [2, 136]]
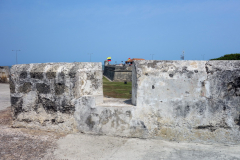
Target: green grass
[[117, 89]]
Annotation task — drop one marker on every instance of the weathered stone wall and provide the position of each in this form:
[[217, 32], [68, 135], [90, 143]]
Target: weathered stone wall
[[43, 95], [194, 101], [188, 100], [118, 73], [4, 74]]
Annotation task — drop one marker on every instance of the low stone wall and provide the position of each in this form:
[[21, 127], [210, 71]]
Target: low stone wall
[[188, 100], [43, 95], [193, 101], [118, 73], [4, 74]]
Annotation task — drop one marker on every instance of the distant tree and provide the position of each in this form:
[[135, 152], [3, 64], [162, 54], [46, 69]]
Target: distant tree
[[234, 56]]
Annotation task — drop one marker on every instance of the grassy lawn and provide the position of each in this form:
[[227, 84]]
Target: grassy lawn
[[116, 89]]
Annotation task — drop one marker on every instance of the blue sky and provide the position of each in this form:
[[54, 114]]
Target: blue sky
[[66, 31]]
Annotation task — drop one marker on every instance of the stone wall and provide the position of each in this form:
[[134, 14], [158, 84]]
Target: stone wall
[[43, 95], [193, 101], [188, 100], [4, 74], [118, 73]]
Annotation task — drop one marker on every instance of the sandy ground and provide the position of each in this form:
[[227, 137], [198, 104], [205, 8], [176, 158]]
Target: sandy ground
[[79, 146], [20, 143], [4, 96]]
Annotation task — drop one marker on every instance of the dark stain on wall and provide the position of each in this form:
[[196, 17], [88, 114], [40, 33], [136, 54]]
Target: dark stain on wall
[[187, 72], [72, 72], [90, 76], [216, 105], [152, 65], [59, 88], [15, 100], [143, 125], [237, 121], [234, 87], [212, 128], [209, 127], [23, 75], [43, 88], [186, 111], [67, 108], [128, 114], [26, 87], [90, 122], [16, 105], [51, 75], [201, 108], [48, 105], [182, 111], [105, 116], [36, 75], [196, 71], [153, 87], [12, 86], [61, 76]]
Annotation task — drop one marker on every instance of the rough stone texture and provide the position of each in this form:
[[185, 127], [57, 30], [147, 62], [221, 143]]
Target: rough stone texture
[[113, 117], [4, 74], [188, 100], [118, 73], [43, 95], [193, 101]]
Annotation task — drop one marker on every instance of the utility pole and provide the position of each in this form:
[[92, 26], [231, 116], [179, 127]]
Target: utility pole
[[182, 56], [152, 56], [90, 56], [16, 54]]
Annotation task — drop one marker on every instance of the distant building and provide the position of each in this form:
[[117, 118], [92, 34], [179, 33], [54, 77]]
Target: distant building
[[130, 61], [119, 73]]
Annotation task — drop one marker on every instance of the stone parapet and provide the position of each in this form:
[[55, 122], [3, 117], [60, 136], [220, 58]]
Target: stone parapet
[[188, 100], [192, 101], [43, 95]]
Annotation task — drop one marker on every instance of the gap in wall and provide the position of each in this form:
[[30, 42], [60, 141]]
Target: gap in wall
[[117, 89]]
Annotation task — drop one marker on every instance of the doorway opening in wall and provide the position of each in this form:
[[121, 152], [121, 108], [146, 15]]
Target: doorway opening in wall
[[117, 89]]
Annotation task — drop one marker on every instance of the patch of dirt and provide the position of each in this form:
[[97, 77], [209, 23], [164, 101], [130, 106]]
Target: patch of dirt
[[6, 117], [22, 143]]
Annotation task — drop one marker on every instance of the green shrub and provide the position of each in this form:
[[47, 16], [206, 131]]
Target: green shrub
[[234, 56]]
